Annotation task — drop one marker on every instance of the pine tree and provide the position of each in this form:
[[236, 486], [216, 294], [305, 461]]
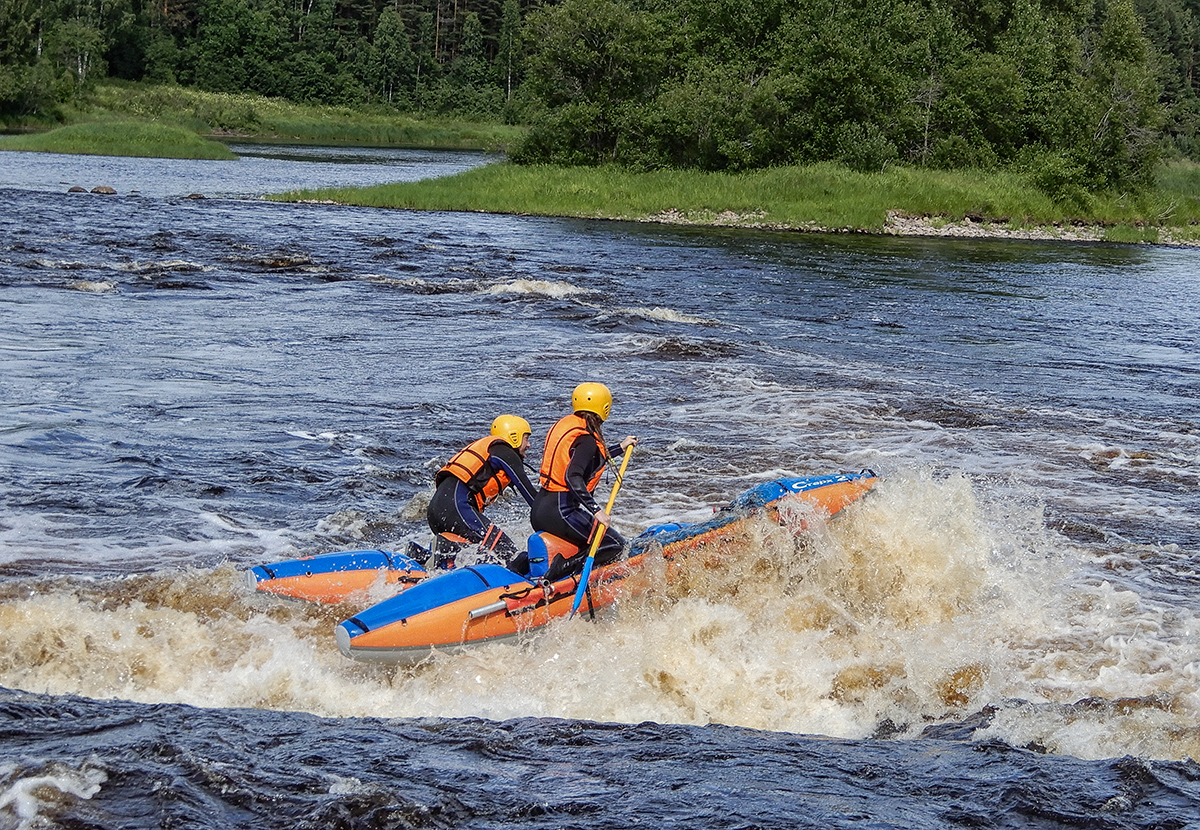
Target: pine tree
[[508, 52]]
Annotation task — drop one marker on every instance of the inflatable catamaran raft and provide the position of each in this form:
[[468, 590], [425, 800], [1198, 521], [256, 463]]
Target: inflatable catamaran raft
[[487, 603]]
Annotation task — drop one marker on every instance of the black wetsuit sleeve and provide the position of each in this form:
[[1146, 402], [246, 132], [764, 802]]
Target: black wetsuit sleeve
[[507, 459], [585, 460]]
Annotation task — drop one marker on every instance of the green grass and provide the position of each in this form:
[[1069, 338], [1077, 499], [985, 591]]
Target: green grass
[[107, 123], [273, 119], [152, 120], [120, 138], [825, 196]]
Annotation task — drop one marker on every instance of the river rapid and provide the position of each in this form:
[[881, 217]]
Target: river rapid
[[1003, 634]]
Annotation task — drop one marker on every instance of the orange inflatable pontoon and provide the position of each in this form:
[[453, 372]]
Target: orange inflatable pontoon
[[486, 603], [335, 577]]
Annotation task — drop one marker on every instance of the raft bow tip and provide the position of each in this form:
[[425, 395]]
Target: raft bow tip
[[343, 639]]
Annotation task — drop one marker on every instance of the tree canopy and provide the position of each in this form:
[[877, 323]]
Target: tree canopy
[[1084, 93], [1076, 89]]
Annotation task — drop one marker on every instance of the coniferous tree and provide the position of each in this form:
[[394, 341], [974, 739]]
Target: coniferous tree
[[1083, 93], [20, 40], [1070, 91], [395, 55], [469, 69], [77, 46], [1123, 85], [508, 50]]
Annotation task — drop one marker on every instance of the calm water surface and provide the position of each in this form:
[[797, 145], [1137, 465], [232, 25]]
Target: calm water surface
[[1004, 634]]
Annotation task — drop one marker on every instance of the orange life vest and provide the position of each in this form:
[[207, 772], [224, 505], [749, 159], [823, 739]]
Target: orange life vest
[[557, 455], [466, 466]]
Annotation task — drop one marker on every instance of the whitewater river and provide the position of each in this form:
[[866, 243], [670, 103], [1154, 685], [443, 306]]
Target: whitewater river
[[1003, 634]]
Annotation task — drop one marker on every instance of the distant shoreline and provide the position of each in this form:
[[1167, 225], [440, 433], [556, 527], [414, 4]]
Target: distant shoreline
[[818, 198], [821, 198], [901, 224], [123, 118], [898, 224]]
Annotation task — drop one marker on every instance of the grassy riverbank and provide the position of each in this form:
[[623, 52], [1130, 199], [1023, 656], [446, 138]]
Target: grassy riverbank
[[256, 118], [120, 138], [273, 119], [816, 197]]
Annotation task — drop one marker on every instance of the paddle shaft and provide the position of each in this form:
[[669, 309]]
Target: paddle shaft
[[587, 563]]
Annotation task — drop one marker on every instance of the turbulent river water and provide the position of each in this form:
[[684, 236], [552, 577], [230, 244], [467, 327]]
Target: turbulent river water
[[1003, 634]]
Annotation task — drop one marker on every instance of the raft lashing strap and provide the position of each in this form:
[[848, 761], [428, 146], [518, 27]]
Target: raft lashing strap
[[502, 603], [577, 578], [548, 596], [521, 594]]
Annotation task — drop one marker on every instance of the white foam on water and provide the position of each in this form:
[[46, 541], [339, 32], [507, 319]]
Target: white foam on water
[[37, 541], [27, 798], [668, 315], [93, 287], [541, 288], [933, 598], [396, 282], [802, 429], [319, 436], [939, 595], [67, 265], [163, 265]]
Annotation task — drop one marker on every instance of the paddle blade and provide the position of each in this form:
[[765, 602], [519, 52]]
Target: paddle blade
[[599, 534], [583, 580]]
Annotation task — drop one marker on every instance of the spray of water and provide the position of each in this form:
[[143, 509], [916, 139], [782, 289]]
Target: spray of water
[[933, 599]]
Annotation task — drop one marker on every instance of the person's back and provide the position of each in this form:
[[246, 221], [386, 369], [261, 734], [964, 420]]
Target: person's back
[[573, 461], [474, 478]]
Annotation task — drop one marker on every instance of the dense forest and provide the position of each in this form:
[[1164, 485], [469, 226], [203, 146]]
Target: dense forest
[[446, 56], [1085, 93]]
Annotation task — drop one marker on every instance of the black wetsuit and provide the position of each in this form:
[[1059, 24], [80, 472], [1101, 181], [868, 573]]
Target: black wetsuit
[[569, 514], [453, 510]]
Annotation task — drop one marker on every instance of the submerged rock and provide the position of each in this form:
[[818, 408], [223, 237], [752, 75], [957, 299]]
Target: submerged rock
[[105, 189], [77, 189]]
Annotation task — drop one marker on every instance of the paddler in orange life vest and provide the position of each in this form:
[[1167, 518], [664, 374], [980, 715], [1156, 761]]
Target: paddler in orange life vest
[[474, 478], [573, 461]]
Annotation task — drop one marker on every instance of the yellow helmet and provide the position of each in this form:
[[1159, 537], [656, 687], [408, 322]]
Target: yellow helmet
[[512, 429], [592, 397]]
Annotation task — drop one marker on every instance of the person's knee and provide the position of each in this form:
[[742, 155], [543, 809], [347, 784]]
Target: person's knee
[[561, 567], [609, 553]]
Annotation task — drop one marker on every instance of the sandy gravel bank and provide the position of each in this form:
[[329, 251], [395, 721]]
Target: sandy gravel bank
[[901, 224]]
